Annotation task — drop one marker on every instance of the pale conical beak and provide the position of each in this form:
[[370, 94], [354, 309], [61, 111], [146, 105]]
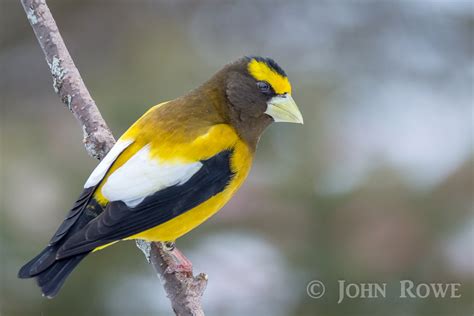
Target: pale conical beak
[[284, 109]]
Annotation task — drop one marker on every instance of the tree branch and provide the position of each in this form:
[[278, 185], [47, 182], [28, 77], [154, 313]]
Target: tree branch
[[67, 81], [175, 270]]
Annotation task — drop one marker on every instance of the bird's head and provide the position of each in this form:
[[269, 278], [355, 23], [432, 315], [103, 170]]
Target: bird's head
[[255, 92], [258, 88]]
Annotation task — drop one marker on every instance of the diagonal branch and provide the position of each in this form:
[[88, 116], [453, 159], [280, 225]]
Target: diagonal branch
[[182, 288], [67, 81]]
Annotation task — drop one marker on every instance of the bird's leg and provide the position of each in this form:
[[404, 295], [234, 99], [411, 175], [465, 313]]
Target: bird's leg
[[177, 261]]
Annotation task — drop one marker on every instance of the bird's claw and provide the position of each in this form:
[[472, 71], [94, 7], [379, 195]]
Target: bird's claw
[[177, 261], [169, 246]]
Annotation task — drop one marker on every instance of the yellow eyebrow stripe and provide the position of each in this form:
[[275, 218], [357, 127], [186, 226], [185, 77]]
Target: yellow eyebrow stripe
[[262, 72]]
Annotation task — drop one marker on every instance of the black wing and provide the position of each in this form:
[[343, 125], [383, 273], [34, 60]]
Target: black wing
[[119, 221]]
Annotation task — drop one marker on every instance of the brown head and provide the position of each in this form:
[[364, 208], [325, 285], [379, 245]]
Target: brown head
[[250, 94]]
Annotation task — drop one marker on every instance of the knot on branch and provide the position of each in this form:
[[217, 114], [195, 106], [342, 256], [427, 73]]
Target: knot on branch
[[98, 142]]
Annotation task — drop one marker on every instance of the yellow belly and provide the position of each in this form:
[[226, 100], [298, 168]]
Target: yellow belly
[[185, 222], [182, 224]]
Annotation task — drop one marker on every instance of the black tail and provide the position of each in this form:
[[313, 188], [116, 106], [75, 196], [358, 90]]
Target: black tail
[[50, 273]]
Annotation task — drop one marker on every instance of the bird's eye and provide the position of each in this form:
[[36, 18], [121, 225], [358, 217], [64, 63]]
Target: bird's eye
[[264, 87]]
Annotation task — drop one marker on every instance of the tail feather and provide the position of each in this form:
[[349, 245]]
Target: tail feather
[[51, 280], [39, 263], [50, 273]]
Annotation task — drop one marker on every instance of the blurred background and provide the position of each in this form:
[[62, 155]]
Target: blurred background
[[377, 186]]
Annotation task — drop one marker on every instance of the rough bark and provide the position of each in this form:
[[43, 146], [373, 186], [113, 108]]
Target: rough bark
[[182, 288]]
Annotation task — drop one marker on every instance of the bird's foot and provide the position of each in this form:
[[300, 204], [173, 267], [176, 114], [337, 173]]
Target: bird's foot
[[169, 245], [177, 261]]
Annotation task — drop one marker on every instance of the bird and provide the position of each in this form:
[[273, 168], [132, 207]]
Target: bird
[[175, 167]]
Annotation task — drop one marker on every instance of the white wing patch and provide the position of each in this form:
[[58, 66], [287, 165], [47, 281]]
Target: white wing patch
[[104, 165], [142, 176]]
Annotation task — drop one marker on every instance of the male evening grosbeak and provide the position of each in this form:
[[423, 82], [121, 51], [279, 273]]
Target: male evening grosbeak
[[172, 169]]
